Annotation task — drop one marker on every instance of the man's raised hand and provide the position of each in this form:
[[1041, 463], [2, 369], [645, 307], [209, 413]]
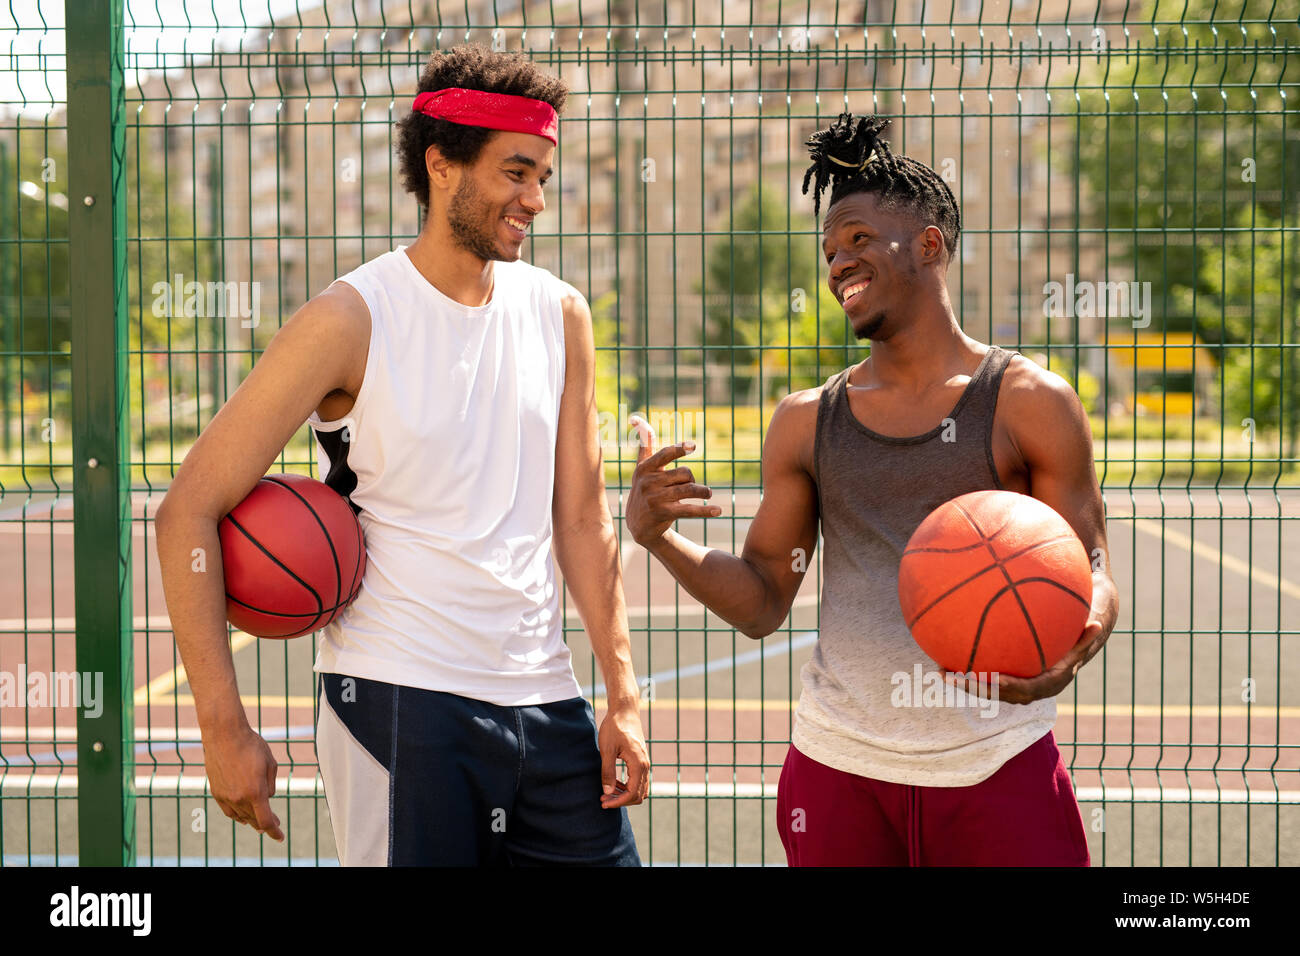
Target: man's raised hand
[[657, 497]]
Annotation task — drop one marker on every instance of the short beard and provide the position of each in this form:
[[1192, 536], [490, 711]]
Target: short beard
[[465, 215], [873, 326], [907, 288]]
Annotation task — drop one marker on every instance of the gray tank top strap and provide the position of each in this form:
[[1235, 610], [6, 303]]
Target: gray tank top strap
[[981, 396], [976, 405]]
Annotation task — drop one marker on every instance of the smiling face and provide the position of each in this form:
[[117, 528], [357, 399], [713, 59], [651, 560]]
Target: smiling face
[[872, 262], [497, 197]]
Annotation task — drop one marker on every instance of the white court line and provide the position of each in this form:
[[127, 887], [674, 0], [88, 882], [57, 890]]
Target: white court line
[[60, 526], [163, 622], [166, 735], [164, 785], [688, 608], [47, 501], [803, 640], [161, 785], [69, 623], [1064, 711], [1214, 555], [1083, 794]]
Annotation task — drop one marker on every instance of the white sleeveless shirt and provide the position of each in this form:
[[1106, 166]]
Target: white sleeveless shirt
[[449, 453]]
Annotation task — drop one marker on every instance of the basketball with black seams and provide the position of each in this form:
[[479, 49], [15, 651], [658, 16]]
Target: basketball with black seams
[[293, 555], [995, 581]]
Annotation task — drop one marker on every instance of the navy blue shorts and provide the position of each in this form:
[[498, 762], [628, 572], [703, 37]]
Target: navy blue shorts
[[422, 778]]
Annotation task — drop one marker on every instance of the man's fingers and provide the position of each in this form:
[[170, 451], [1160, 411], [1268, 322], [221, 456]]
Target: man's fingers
[[664, 455], [266, 821], [636, 788], [678, 492], [980, 685], [625, 796], [263, 808], [645, 435], [608, 770], [1091, 631], [638, 778], [679, 510]]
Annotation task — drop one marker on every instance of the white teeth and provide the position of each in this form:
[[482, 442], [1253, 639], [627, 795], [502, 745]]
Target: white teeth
[[517, 224], [854, 289]]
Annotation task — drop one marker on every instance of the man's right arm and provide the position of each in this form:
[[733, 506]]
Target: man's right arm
[[755, 590], [321, 349]]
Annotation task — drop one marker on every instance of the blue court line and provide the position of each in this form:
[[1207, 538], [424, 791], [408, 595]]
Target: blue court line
[[799, 641]]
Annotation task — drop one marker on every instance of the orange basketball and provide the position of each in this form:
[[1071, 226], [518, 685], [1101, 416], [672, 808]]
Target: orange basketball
[[995, 581], [293, 555]]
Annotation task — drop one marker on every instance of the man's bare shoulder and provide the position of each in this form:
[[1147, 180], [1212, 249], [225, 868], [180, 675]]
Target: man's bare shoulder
[[569, 294], [1026, 379], [1038, 406], [340, 301], [799, 406], [793, 427], [573, 303], [340, 320]]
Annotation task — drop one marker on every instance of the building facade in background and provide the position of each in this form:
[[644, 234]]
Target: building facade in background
[[284, 153]]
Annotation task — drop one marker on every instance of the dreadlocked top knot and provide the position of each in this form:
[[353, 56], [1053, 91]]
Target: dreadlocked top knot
[[850, 157], [843, 150]]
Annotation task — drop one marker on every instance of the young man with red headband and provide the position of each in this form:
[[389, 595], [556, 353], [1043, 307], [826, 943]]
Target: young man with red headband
[[450, 386]]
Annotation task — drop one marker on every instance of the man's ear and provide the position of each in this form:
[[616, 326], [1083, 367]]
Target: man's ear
[[438, 167], [932, 245]]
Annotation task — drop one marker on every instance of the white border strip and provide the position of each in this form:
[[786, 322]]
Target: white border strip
[[1082, 794], [171, 785]]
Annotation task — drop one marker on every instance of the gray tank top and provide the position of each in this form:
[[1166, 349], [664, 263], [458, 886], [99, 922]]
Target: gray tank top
[[872, 701]]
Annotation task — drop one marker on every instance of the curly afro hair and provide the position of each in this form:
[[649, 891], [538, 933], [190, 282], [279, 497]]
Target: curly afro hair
[[471, 67], [852, 157]]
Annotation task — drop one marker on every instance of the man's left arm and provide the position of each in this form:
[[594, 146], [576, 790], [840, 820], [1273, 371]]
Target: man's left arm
[[1050, 428], [586, 550]]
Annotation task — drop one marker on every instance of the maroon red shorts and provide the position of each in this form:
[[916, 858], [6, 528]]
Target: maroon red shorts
[[1023, 815]]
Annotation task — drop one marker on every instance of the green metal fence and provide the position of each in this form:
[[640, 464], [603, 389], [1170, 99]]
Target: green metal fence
[[1128, 177]]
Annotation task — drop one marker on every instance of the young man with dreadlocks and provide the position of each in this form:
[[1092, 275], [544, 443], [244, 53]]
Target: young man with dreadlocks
[[450, 386], [929, 415]]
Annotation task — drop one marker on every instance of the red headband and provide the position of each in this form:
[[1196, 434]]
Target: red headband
[[516, 114]]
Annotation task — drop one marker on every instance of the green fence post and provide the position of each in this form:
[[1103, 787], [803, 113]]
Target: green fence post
[[101, 463]]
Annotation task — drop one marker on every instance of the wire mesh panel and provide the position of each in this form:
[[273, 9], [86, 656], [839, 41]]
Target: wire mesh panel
[[38, 759], [1127, 177]]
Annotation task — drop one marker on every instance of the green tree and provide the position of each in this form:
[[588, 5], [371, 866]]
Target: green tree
[[34, 283], [820, 342], [1199, 153], [765, 302], [616, 379], [34, 303], [1255, 376], [175, 384]]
